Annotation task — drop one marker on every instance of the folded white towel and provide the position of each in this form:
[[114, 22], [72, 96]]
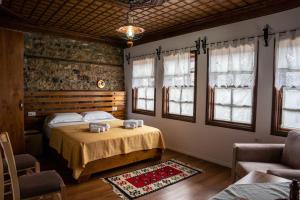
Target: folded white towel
[[132, 123], [98, 130], [140, 122], [98, 127]]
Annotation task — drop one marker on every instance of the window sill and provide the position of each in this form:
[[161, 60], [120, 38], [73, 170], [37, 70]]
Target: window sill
[[144, 112], [280, 132], [232, 125], [180, 118]]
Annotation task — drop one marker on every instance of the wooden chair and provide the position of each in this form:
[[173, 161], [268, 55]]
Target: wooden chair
[[29, 186], [25, 164]]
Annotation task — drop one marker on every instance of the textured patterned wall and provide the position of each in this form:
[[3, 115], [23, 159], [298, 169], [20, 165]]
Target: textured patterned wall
[[54, 63]]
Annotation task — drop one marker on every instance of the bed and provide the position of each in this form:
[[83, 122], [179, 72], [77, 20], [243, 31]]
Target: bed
[[85, 152]]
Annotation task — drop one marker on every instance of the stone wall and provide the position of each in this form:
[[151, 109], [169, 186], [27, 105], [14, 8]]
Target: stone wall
[[54, 63]]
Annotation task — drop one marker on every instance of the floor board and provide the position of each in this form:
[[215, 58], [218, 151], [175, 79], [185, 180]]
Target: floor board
[[202, 186]]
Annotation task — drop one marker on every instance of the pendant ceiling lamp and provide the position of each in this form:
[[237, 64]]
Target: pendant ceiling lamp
[[130, 32]]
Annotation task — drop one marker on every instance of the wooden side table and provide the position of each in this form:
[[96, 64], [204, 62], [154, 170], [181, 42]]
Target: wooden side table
[[259, 177], [34, 142]]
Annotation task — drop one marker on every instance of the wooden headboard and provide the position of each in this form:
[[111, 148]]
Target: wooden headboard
[[47, 102]]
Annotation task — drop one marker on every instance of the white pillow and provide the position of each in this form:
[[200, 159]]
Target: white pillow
[[65, 118], [96, 115]]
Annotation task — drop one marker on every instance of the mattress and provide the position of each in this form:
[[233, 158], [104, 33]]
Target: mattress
[[78, 146]]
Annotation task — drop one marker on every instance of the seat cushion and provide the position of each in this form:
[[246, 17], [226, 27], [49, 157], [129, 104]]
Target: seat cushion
[[291, 150], [243, 168], [39, 184], [23, 161]]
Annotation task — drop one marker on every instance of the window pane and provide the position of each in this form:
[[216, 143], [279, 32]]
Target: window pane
[[222, 96], [150, 105], [242, 97], [188, 94], [291, 99], [141, 104], [187, 109], [174, 94], [150, 93], [290, 119], [174, 108], [241, 115], [141, 92], [222, 113]]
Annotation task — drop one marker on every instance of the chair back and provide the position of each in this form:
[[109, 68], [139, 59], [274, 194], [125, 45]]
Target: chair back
[[11, 165]]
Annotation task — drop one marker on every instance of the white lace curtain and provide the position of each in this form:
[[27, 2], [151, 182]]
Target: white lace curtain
[[288, 76], [143, 72], [232, 71], [179, 71], [288, 60], [143, 78], [232, 64]]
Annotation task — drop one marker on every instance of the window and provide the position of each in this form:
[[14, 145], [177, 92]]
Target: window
[[231, 91], [286, 100], [143, 86], [179, 86]]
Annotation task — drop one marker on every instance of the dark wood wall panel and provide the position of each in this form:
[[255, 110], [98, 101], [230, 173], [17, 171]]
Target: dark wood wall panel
[[12, 87]]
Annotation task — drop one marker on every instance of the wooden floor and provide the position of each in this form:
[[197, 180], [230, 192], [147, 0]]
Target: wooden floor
[[202, 186]]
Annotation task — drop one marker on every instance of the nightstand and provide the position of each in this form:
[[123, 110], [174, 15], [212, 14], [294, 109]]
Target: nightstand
[[34, 142]]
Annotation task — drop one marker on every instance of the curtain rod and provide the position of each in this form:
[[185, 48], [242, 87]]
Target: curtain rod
[[164, 51], [258, 36], [195, 46]]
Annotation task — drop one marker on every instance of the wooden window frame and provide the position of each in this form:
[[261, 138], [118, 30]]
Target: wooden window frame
[[277, 113], [165, 100], [277, 106], [141, 111], [209, 119]]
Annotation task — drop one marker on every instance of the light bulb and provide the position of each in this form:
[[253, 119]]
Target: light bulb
[[130, 32]]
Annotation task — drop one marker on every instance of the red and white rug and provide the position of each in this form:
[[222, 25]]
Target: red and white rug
[[150, 179]]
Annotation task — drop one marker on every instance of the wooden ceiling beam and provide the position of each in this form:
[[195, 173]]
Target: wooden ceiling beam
[[83, 17], [103, 19], [12, 21], [44, 11], [247, 12], [56, 11], [22, 7], [66, 13], [88, 28], [81, 10], [34, 8]]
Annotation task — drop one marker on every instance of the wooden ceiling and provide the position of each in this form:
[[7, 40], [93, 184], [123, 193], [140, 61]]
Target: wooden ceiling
[[99, 19]]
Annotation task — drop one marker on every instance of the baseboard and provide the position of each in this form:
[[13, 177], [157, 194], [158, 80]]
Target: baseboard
[[202, 157]]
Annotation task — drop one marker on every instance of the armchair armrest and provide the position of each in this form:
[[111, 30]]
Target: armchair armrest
[[286, 173], [270, 153], [256, 152]]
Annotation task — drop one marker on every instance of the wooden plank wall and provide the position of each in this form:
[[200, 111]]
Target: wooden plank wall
[[48, 102]]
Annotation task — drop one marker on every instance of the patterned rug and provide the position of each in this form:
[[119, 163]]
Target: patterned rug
[[141, 182]]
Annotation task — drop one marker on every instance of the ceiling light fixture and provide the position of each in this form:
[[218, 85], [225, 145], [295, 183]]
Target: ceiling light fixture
[[130, 32]]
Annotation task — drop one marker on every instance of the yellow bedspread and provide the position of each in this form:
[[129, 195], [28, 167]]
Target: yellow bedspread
[[78, 146]]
